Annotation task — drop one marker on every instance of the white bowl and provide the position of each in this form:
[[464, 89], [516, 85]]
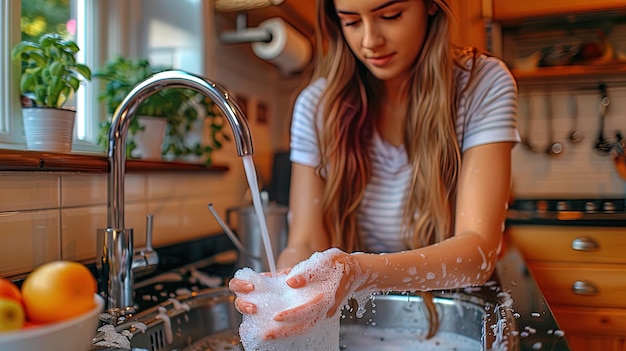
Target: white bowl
[[74, 334]]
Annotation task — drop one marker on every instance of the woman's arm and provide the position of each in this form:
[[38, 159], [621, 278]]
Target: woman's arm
[[306, 230], [468, 258]]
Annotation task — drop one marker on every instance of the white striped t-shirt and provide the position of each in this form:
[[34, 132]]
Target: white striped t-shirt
[[487, 113]]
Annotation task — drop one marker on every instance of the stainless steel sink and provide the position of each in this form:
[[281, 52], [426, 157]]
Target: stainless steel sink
[[207, 320]]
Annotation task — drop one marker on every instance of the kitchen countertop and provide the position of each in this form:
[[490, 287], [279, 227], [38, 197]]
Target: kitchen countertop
[[565, 218], [537, 328], [590, 212]]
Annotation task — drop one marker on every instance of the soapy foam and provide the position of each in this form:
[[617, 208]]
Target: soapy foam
[[365, 338], [272, 295], [362, 338]]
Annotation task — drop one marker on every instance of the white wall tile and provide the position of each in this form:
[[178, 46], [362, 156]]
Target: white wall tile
[[580, 171], [166, 227], [91, 189], [28, 191], [27, 240], [80, 226], [196, 219], [83, 190], [167, 186]]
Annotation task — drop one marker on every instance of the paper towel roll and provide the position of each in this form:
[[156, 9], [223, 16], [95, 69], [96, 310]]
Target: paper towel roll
[[289, 50]]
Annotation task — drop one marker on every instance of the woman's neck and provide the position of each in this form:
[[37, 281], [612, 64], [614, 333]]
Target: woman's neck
[[391, 120], [391, 115]]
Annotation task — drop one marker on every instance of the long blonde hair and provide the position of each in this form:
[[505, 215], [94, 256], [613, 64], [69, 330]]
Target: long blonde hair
[[350, 99], [430, 139]]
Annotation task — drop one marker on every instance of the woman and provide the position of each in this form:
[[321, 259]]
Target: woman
[[400, 145]]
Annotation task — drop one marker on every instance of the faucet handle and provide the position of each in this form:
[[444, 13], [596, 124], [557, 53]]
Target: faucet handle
[[146, 260], [149, 221]]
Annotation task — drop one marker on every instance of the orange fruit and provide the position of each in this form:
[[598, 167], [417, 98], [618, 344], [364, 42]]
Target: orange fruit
[[10, 291], [58, 290]]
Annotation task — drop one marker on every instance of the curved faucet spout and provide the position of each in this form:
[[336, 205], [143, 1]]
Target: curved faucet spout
[[126, 110], [115, 243]]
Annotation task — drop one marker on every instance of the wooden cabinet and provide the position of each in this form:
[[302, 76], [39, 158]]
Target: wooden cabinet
[[513, 10], [469, 27], [533, 26], [582, 274]]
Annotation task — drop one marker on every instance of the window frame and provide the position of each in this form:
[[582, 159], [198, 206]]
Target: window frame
[[11, 125], [10, 107]]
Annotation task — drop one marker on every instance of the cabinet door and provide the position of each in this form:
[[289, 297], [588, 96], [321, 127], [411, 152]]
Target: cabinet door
[[582, 342], [506, 10], [592, 285], [591, 321], [570, 244], [469, 29]]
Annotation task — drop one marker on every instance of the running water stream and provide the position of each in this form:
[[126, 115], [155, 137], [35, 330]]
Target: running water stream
[[250, 170]]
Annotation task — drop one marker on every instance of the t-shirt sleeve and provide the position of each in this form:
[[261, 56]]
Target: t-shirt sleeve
[[304, 143], [488, 107]]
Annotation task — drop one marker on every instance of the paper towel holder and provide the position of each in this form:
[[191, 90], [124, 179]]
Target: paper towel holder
[[244, 34]]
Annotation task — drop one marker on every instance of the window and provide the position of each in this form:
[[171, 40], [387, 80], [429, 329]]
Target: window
[[29, 19], [102, 29]]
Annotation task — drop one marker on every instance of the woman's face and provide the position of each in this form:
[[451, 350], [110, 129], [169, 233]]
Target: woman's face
[[386, 35]]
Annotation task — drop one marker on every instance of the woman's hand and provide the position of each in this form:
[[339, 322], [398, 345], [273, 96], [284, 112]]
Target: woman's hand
[[333, 269], [351, 279], [243, 287]]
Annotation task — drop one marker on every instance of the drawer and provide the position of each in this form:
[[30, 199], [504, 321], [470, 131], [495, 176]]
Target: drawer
[[590, 321], [591, 285], [570, 244], [582, 342]]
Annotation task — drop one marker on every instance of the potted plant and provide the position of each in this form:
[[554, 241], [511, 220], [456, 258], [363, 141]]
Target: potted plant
[[50, 76], [181, 113]]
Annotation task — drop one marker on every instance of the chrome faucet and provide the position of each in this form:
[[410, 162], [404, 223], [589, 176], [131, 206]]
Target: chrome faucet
[[117, 261]]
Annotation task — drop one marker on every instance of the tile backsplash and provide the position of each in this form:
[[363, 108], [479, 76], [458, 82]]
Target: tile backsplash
[[580, 170], [49, 216]]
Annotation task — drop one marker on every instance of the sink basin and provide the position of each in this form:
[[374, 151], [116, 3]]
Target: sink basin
[[207, 320]]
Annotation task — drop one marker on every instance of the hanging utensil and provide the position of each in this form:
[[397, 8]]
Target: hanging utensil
[[555, 147], [527, 117], [576, 135], [602, 144], [619, 155]]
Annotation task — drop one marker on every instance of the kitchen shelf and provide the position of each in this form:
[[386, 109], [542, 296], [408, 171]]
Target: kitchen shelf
[[605, 72]]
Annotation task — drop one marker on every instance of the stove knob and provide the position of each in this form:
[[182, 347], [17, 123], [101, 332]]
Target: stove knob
[[562, 206], [590, 206], [609, 207]]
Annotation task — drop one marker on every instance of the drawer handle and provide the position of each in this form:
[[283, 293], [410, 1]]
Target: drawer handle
[[585, 244], [584, 288]]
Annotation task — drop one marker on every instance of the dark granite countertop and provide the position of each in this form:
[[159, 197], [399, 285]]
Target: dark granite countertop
[[602, 212], [565, 218], [537, 328]]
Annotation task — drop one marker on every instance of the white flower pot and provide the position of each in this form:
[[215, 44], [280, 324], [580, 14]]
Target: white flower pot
[[149, 142], [48, 129]]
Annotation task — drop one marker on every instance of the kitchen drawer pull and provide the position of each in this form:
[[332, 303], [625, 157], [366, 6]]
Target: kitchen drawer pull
[[584, 288], [585, 244]]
